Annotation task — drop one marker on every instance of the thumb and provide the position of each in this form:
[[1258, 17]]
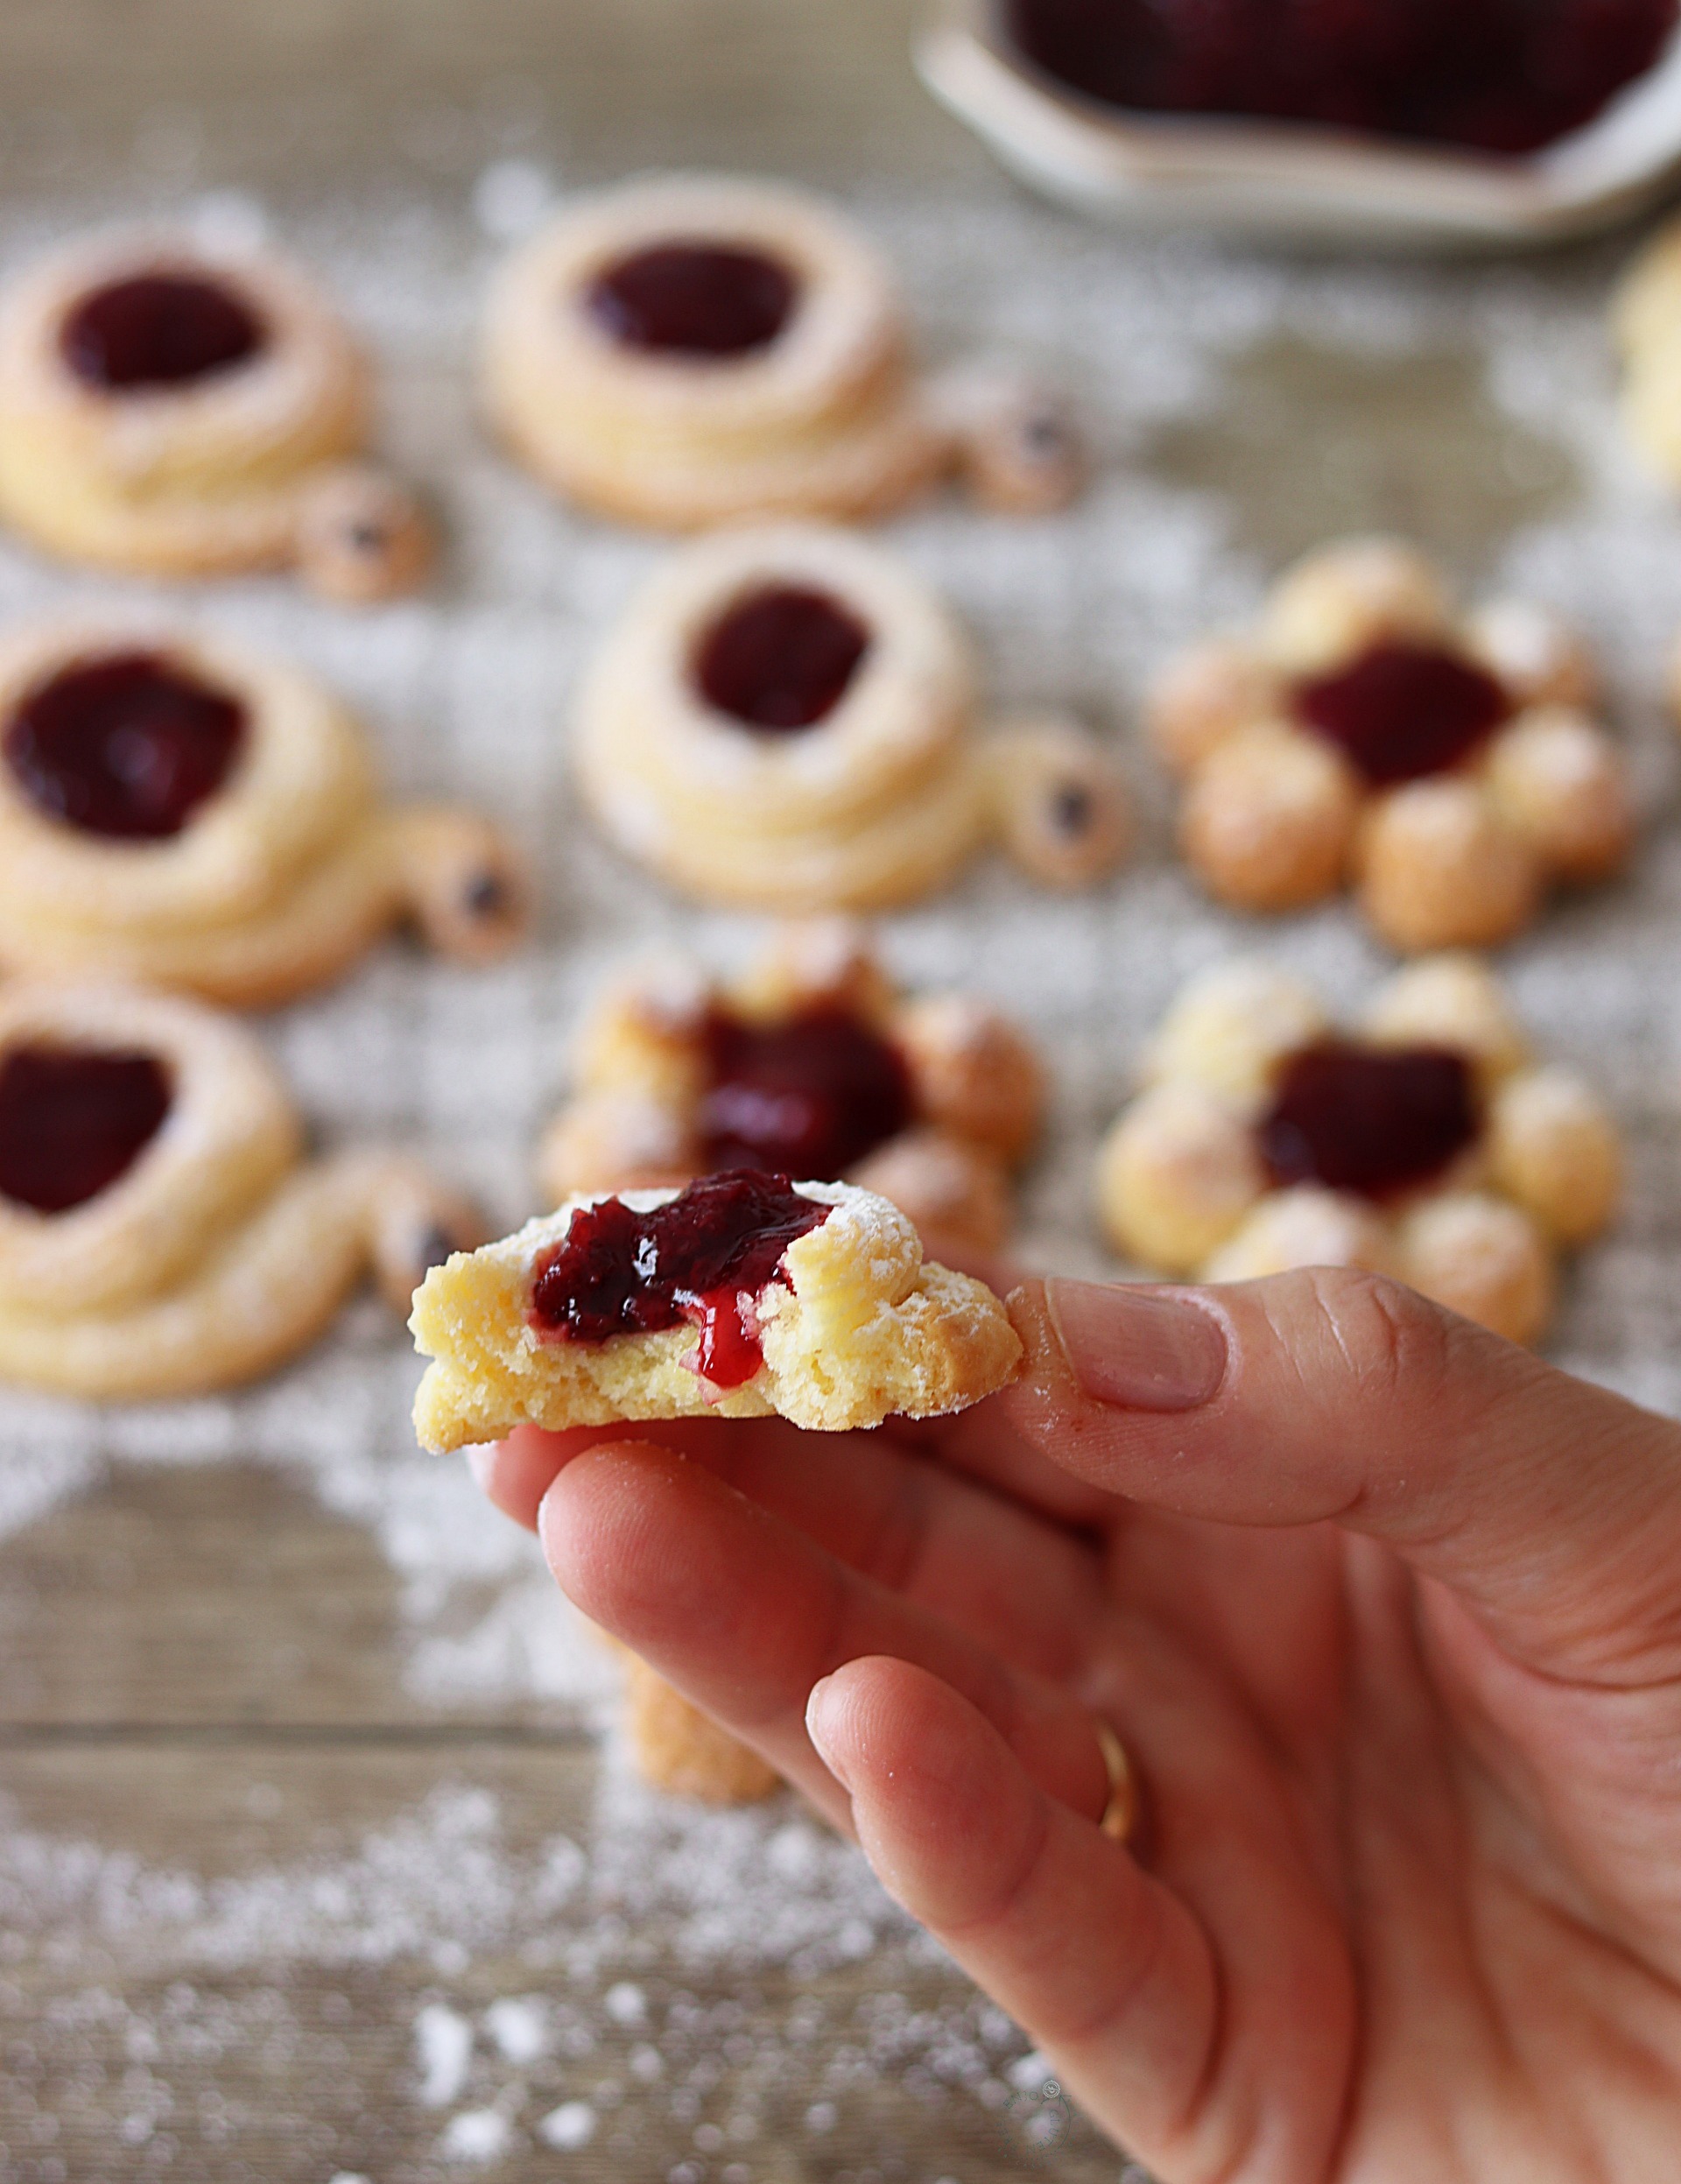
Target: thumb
[[1553, 1508]]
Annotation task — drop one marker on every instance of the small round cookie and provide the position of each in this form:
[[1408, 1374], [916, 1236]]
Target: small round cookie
[[813, 1064], [1427, 1145], [171, 410], [161, 1231], [784, 718], [741, 1295], [1646, 330], [686, 351], [178, 811], [1452, 767]]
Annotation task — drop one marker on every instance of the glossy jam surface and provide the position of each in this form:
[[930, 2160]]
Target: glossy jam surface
[[1371, 1119], [1492, 75], [780, 659], [705, 1255], [694, 299], [159, 330], [808, 1095], [1402, 711], [127, 745], [72, 1119]]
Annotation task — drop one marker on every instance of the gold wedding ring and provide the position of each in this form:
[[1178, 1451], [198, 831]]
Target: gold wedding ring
[[1123, 1809]]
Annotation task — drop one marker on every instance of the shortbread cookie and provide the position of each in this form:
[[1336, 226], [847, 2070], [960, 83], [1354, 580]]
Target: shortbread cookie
[[1428, 1145], [176, 411], [740, 1296], [178, 811], [684, 352], [785, 718], [813, 1064], [161, 1231], [1451, 766]]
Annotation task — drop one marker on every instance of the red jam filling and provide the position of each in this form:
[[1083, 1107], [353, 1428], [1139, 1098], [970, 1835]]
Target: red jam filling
[[706, 1256], [1492, 75], [72, 1119], [159, 330], [1401, 711], [809, 1095], [128, 745], [698, 299], [1370, 1119], [780, 659]]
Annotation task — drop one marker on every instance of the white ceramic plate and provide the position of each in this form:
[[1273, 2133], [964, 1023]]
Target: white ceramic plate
[[1296, 182]]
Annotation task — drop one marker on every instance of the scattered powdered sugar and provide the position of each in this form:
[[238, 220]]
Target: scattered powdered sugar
[[570, 2125], [443, 2042]]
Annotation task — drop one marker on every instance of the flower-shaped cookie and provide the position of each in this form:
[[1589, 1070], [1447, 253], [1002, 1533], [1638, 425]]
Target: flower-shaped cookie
[[176, 810], [176, 411], [813, 1065], [1428, 1145], [785, 718], [161, 1231], [686, 351], [1451, 766]]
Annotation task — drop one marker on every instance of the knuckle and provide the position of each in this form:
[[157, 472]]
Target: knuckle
[[1392, 1342]]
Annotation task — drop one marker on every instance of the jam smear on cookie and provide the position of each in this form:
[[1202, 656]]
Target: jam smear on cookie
[[705, 1255], [128, 745], [694, 299], [1374, 1120], [159, 330], [1400, 711], [780, 659], [809, 1094], [74, 1119]]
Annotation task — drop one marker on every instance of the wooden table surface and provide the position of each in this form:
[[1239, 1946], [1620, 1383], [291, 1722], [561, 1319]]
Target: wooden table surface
[[280, 1900]]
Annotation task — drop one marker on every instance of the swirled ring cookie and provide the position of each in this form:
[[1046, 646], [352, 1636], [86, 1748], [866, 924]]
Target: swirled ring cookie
[[1452, 766], [738, 1296], [179, 812], [784, 718], [161, 1232], [174, 411], [813, 1064], [688, 351], [1428, 1145]]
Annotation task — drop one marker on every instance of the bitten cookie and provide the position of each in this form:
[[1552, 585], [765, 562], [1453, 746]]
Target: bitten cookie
[[173, 410], [161, 1231], [740, 1296], [813, 1064], [1428, 1145], [686, 351], [176, 810], [1451, 766], [785, 718]]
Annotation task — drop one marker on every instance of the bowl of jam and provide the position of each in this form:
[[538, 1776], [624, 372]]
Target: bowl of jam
[[1412, 122]]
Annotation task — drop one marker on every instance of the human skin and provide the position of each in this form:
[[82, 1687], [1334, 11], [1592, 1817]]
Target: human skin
[[1387, 1616]]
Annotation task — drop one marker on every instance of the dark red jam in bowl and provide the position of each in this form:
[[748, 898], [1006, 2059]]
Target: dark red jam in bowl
[[1374, 1120], [808, 1095], [695, 299], [72, 1119], [705, 1255], [159, 330], [127, 745], [780, 659], [1492, 75], [1401, 711]]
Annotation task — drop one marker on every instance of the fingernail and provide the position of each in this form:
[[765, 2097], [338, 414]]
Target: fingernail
[[480, 1458], [814, 1730], [1137, 1347]]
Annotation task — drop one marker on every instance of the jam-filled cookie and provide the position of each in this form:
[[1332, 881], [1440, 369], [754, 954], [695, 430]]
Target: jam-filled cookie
[[785, 718], [812, 1065], [178, 811], [161, 1230], [175, 411], [741, 1295], [1428, 1144], [1451, 765], [684, 352]]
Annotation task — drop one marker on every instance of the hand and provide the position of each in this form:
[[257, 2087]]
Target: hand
[[1388, 1616]]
